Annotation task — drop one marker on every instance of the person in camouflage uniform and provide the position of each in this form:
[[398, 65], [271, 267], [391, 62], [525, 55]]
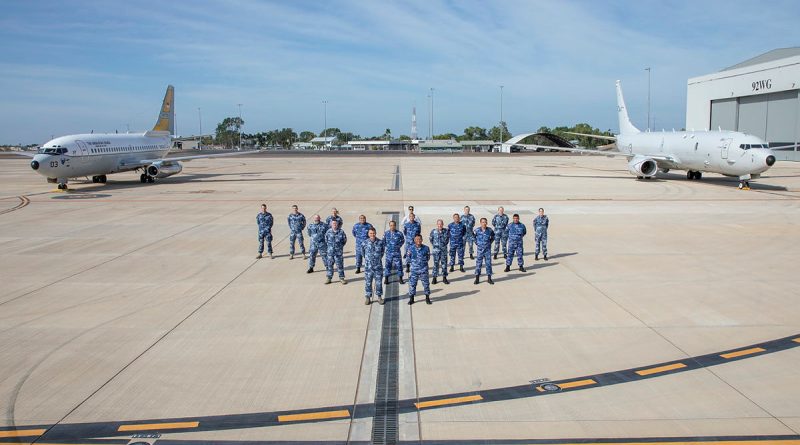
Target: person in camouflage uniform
[[264, 221], [372, 250], [440, 238], [297, 222], [316, 243]]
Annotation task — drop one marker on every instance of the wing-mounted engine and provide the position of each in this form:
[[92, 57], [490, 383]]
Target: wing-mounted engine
[[163, 169], [642, 167]]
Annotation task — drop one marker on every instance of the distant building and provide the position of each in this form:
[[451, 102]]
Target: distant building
[[478, 146], [302, 146], [758, 96], [440, 146], [323, 143]]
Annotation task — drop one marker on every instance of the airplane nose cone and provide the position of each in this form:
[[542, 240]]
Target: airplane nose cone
[[770, 160], [35, 165]]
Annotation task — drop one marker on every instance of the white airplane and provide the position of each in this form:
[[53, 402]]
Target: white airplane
[[728, 153], [98, 155]]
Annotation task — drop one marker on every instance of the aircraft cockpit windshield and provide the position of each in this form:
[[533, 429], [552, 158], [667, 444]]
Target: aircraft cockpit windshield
[[53, 150], [749, 146]]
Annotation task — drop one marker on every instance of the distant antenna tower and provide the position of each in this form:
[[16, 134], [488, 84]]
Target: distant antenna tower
[[414, 123]]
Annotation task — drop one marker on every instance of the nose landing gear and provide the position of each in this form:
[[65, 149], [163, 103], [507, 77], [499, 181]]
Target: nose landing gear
[[744, 185]]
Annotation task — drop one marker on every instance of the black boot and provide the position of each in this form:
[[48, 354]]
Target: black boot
[[451, 268], [471, 256], [495, 256], [428, 299], [461, 268], [434, 280], [477, 279], [386, 280], [489, 279], [522, 268], [310, 270], [444, 280], [408, 268], [545, 257], [358, 270], [536, 257], [401, 281], [411, 301], [507, 269]]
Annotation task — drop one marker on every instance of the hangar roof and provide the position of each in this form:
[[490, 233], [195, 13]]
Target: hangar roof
[[769, 56]]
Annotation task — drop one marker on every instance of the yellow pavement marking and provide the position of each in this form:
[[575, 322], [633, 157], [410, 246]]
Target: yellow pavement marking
[[742, 352], [158, 426], [658, 369], [453, 401], [314, 416], [21, 433], [577, 383], [796, 340]]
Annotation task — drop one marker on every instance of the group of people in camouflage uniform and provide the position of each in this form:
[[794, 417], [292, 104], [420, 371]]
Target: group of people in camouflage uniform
[[382, 258]]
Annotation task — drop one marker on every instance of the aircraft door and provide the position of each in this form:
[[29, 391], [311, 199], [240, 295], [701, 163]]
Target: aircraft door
[[83, 152], [726, 143]]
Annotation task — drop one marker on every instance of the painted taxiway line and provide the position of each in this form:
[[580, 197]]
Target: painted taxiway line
[[84, 431]]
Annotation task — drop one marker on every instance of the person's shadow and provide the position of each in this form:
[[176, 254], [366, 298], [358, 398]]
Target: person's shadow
[[455, 295]]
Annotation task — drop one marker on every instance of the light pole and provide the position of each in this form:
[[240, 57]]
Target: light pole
[[429, 116], [502, 127], [200, 120], [325, 122], [648, 97], [431, 113], [240, 126]]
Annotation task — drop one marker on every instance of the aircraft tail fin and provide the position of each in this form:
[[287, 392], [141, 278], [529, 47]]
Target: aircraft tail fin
[[166, 118], [625, 125]]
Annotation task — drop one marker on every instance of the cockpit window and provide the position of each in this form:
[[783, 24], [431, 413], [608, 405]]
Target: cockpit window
[[749, 146], [53, 150]]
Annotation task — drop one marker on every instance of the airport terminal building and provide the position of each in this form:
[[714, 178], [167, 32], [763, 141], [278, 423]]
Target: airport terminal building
[[758, 96]]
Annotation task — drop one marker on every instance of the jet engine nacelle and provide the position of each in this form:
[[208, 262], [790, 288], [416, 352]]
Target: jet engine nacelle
[[642, 167], [164, 169]]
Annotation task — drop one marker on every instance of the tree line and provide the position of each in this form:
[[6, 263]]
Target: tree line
[[227, 135]]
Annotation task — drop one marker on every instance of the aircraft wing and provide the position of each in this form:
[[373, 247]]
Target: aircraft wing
[[609, 153], [146, 162]]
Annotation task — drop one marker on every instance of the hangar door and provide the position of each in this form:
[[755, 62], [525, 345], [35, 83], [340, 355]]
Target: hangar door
[[723, 114], [782, 117], [773, 117]]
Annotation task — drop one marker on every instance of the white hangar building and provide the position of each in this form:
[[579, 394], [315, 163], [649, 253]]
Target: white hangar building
[[758, 96]]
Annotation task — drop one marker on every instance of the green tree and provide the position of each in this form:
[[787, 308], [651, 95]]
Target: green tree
[[306, 136], [445, 136], [404, 137], [500, 134], [387, 134], [474, 134], [227, 133]]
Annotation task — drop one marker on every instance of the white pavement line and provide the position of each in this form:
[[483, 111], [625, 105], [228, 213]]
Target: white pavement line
[[361, 429]]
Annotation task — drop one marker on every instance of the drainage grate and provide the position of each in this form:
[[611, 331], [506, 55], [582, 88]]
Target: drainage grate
[[385, 422]]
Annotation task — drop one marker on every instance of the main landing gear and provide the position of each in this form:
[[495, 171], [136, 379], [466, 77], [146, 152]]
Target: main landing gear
[[744, 184], [99, 179], [63, 187], [146, 178], [694, 175]]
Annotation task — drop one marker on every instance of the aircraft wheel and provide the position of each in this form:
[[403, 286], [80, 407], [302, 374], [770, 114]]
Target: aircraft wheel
[[151, 179], [741, 185], [143, 178], [698, 175], [639, 177], [690, 175], [95, 180], [103, 179]]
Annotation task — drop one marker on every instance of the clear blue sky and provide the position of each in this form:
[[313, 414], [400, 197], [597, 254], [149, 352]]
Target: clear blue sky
[[69, 67]]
